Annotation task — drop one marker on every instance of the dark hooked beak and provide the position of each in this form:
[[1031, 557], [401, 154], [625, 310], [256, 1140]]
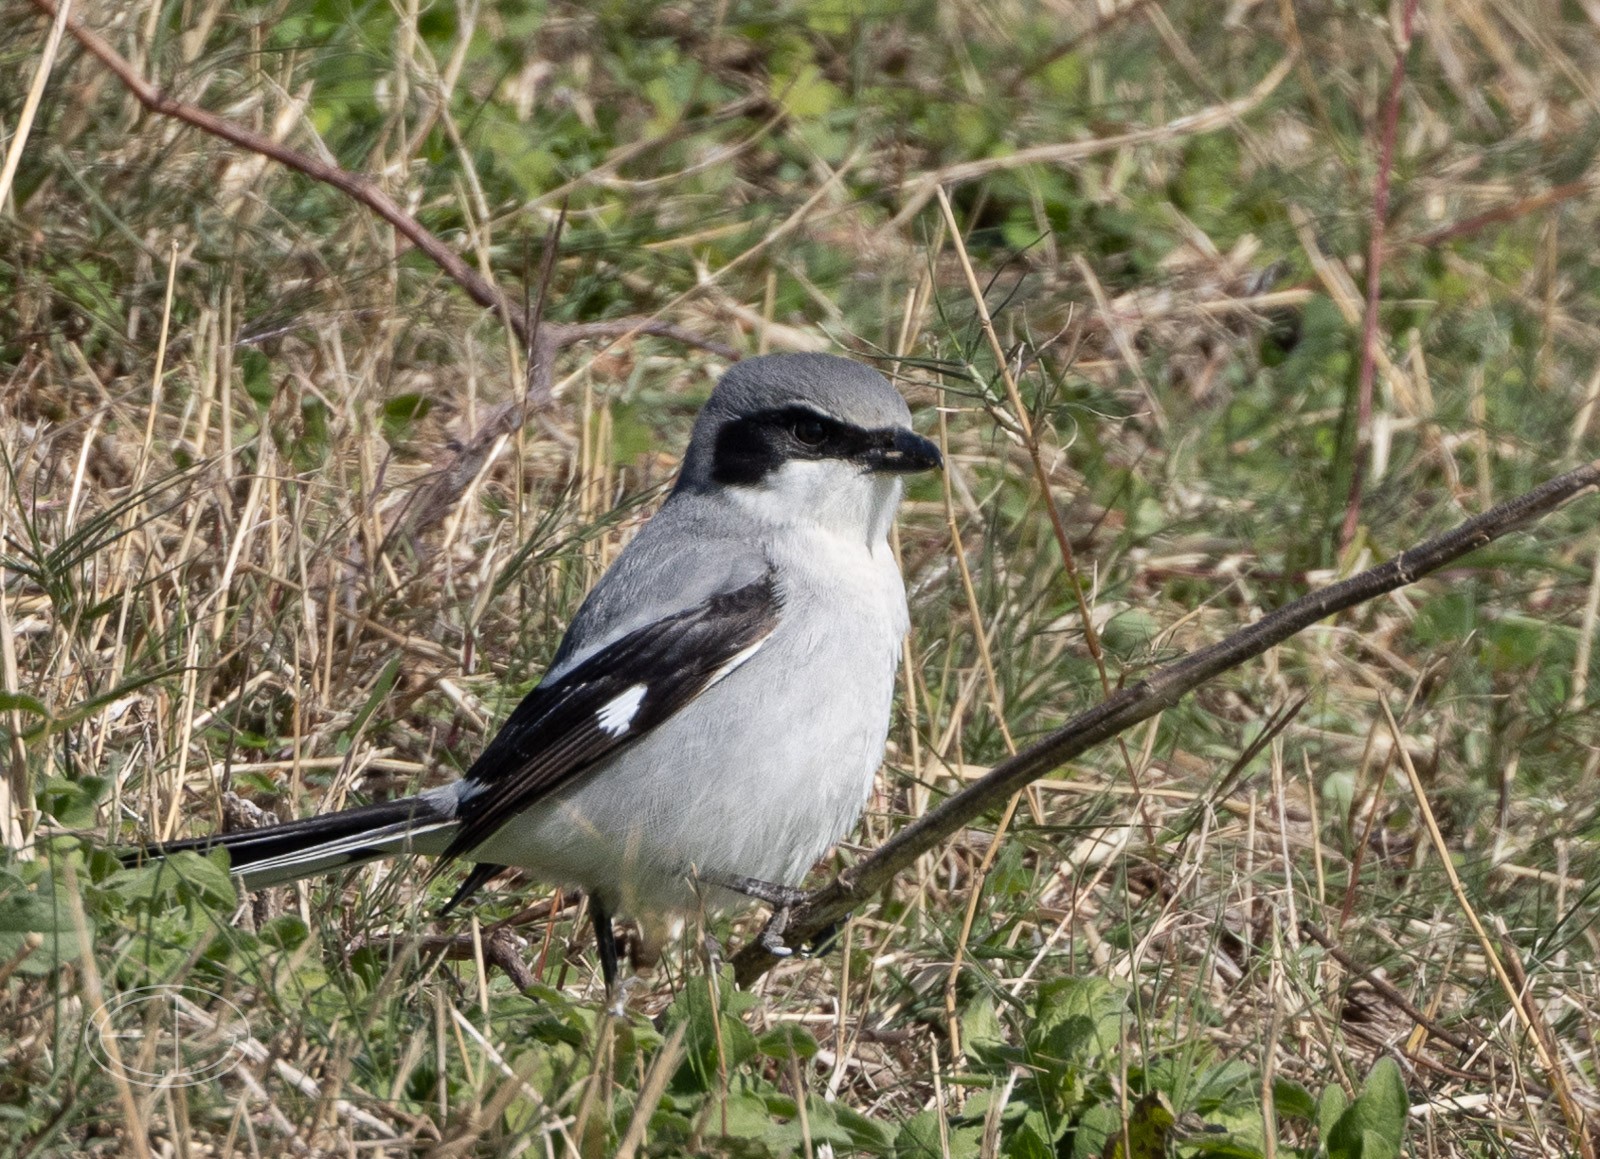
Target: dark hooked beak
[[901, 452]]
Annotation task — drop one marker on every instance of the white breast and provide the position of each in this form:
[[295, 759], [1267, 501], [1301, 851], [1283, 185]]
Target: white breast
[[759, 775]]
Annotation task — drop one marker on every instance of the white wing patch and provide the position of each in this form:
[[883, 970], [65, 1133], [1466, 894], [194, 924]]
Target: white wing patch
[[737, 659], [617, 714]]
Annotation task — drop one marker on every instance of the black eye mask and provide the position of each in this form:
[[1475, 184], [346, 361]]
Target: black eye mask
[[751, 448]]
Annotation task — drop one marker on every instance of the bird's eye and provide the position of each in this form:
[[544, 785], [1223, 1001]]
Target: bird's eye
[[809, 431]]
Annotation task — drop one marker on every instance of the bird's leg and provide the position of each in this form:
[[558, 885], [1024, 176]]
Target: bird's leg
[[782, 899], [772, 933], [605, 937], [781, 896], [712, 950], [605, 940], [643, 939]]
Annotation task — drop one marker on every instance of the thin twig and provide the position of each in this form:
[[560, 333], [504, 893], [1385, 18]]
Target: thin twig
[[1522, 207], [1160, 690], [1369, 324], [499, 946], [357, 186], [1384, 987], [441, 492], [920, 190]]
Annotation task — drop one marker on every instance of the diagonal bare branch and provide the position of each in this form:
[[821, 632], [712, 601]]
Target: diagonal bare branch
[[1160, 690]]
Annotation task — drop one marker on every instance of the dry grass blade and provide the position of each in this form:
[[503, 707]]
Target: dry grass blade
[[94, 999], [19, 137], [1159, 690], [290, 519], [925, 187], [1517, 996], [542, 340], [655, 1085]]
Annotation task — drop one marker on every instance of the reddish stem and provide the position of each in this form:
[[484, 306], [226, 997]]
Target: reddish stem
[[1369, 325]]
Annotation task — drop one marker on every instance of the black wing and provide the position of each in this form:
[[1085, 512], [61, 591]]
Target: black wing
[[608, 702]]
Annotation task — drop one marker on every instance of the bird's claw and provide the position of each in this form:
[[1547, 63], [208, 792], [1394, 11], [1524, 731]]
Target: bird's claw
[[772, 933], [784, 900], [618, 1006], [772, 936]]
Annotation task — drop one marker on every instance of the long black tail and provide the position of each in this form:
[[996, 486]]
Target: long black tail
[[297, 849]]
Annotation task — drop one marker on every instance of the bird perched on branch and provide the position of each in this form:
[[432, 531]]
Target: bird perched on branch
[[716, 713]]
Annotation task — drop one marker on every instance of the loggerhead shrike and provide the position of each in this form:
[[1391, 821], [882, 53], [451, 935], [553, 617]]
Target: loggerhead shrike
[[717, 711]]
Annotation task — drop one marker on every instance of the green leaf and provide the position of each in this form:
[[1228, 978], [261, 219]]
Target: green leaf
[[821, 1126], [37, 929], [1375, 1145], [400, 413], [1027, 1140], [787, 1040], [1076, 1014], [1063, 78], [806, 94], [208, 873], [1221, 1084], [865, 1133], [73, 802], [716, 1038], [920, 1138], [1291, 1099], [1513, 643], [1374, 1126], [256, 370], [1149, 1125], [1329, 1109], [22, 702], [380, 690], [287, 932], [1387, 1100], [981, 1030], [202, 876], [1098, 1126], [742, 1117]]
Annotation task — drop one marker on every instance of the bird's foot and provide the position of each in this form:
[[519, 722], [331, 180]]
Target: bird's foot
[[784, 900], [772, 933], [618, 1007], [781, 896]]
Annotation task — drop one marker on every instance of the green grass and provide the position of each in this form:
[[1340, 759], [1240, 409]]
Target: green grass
[[199, 597]]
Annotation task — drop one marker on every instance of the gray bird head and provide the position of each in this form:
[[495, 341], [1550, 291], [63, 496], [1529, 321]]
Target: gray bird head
[[784, 409]]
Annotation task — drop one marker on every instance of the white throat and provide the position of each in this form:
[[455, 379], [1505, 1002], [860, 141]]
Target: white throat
[[829, 495]]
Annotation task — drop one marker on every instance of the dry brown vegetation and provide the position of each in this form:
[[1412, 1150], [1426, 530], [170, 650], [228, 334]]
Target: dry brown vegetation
[[224, 385]]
